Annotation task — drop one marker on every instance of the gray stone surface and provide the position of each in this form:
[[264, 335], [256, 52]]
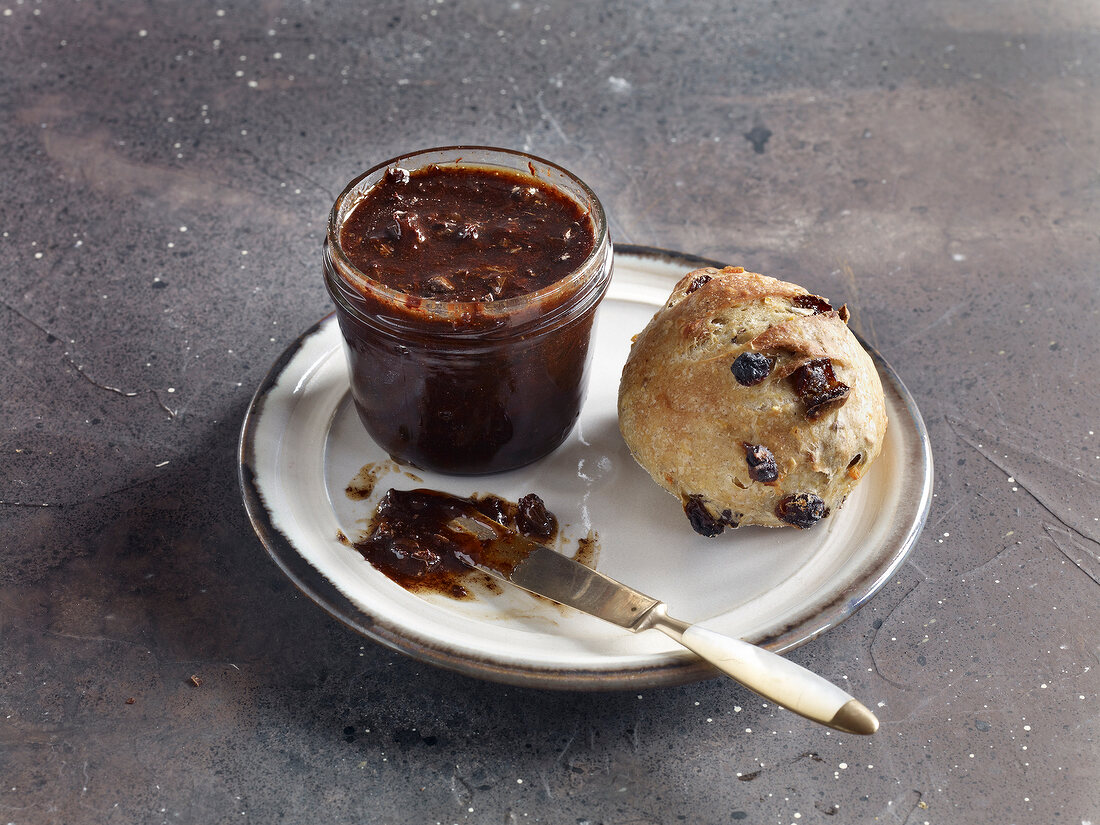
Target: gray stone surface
[[166, 176]]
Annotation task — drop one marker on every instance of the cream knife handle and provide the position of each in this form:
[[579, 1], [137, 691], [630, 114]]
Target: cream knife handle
[[779, 679]]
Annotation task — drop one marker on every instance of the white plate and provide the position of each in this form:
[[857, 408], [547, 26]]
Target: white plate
[[302, 444]]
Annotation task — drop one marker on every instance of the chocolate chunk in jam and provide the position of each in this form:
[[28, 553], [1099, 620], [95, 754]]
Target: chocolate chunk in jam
[[818, 387], [761, 463], [750, 368], [801, 510], [498, 509], [396, 176]]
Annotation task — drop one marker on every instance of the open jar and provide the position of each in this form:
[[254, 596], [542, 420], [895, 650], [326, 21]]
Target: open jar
[[467, 297]]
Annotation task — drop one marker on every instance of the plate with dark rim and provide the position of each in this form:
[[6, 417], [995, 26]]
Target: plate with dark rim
[[302, 445]]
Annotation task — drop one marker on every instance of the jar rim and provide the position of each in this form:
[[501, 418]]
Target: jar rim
[[438, 307]]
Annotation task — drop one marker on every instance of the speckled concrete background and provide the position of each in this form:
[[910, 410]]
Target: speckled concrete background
[[166, 175]]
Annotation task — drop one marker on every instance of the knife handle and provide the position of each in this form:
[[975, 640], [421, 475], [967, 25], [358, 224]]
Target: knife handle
[[776, 678]]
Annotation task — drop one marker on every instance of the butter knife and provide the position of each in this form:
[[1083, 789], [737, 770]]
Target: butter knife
[[505, 555]]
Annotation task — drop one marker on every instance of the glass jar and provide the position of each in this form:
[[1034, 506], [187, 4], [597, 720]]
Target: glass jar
[[468, 387]]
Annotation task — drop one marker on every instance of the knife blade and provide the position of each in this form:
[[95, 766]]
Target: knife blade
[[513, 558]]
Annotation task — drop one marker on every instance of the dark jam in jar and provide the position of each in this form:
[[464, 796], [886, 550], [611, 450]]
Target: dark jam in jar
[[457, 233], [466, 284]]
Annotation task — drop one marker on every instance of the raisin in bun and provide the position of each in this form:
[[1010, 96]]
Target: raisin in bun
[[750, 400]]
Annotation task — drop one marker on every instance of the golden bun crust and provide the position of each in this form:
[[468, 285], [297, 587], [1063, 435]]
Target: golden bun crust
[[751, 401]]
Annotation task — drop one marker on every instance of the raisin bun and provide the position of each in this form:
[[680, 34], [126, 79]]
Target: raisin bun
[[750, 400]]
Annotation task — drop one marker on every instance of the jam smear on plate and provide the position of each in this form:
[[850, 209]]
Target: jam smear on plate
[[408, 539], [466, 233]]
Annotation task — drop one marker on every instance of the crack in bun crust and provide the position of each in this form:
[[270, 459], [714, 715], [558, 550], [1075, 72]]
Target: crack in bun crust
[[804, 390]]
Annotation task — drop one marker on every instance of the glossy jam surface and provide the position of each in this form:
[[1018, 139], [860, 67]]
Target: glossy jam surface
[[410, 542], [456, 233]]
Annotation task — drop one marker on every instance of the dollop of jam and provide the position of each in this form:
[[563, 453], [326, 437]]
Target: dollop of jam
[[408, 539]]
